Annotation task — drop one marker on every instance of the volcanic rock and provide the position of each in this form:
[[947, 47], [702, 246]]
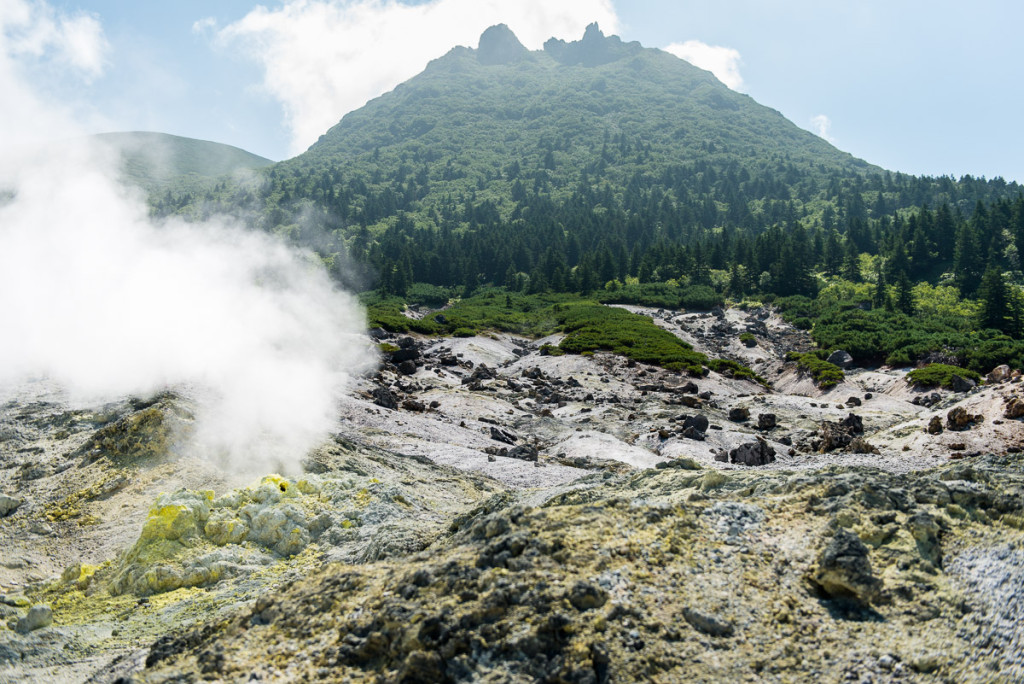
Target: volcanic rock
[[39, 616], [844, 569], [752, 453], [384, 397], [739, 414], [502, 435], [707, 623], [1014, 407], [524, 452], [998, 374], [958, 384], [841, 358], [959, 419], [8, 504]]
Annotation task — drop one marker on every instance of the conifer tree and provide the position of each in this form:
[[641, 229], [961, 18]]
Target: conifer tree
[[994, 296]]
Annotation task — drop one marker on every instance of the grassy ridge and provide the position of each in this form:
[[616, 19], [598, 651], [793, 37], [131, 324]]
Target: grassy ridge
[[588, 326]]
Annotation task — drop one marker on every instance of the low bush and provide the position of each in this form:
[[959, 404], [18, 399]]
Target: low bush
[[939, 375], [824, 374]]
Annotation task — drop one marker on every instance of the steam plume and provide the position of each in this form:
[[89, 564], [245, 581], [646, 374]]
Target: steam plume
[[98, 297]]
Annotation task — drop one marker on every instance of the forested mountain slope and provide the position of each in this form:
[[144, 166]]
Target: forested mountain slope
[[158, 160]]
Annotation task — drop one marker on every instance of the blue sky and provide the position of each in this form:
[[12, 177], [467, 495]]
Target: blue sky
[[913, 86]]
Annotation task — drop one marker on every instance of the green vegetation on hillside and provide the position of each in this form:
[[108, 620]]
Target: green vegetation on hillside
[[588, 326], [624, 175], [825, 374], [939, 375], [158, 161]]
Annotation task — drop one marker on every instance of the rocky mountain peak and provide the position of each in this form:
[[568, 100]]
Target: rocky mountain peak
[[594, 49], [499, 45]]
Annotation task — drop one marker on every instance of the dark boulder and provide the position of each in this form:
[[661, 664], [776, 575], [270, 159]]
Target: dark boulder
[[382, 396], [752, 453], [840, 358], [739, 414], [844, 569], [958, 384], [524, 452]]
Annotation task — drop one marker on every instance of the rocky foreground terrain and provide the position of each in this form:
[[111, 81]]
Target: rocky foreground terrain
[[489, 512]]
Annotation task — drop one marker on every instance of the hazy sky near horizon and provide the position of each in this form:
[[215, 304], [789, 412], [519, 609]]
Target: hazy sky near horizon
[[913, 86]]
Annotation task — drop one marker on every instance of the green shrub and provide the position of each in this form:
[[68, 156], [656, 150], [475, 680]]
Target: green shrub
[[735, 369], [824, 374], [551, 350], [939, 374], [428, 295], [463, 332]]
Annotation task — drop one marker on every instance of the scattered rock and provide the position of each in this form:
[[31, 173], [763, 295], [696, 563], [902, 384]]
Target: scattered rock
[[859, 445], [844, 569], [9, 504], [524, 452], [739, 414], [766, 421], [39, 616], [698, 422], [689, 388], [927, 400], [689, 402], [753, 453], [407, 368], [384, 397], [934, 426], [585, 596], [840, 358], [958, 419], [707, 623], [405, 354], [853, 401], [958, 384], [833, 436], [502, 435], [414, 405], [1014, 407], [998, 374]]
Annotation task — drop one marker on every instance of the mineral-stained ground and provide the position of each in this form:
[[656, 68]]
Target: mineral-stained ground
[[492, 514]]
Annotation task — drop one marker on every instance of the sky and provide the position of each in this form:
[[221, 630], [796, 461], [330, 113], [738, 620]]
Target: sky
[[914, 86]]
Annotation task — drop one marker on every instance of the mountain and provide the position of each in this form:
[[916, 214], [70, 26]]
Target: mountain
[[596, 163], [157, 160], [597, 105]]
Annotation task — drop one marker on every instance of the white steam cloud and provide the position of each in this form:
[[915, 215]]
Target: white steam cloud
[[723, 62], [324, 58], [96, 296], [821, 125]]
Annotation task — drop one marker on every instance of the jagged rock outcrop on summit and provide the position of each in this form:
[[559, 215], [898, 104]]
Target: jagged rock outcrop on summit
[[499, 45]]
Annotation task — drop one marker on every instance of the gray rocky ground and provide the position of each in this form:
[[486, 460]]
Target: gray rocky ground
[[488, 512]]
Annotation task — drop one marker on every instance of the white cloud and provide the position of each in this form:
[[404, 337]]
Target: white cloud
[[324, 58], [821, 125], [39, 46], [723, 62], [99, 298], [35, 29], [203, 25]]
